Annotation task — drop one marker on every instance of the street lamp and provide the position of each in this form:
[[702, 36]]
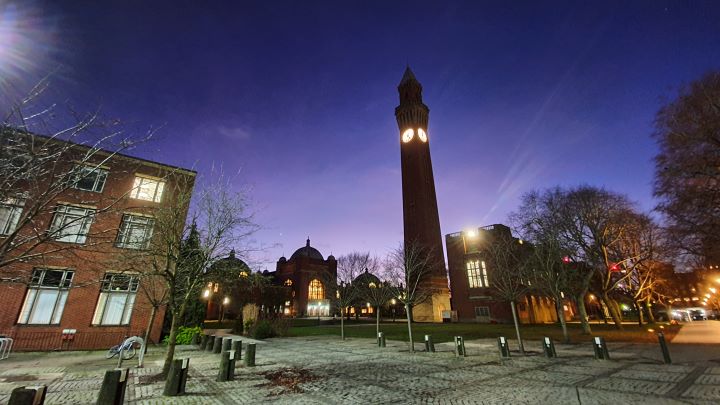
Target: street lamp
[[393, 302]]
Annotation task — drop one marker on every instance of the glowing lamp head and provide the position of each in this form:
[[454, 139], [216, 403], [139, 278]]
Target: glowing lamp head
[[226, 300], [471, 233], [407, 136], [206, 293]]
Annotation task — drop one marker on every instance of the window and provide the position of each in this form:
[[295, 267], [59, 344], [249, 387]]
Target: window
[[46, 297], [10, 211], [135, 232], [117, 296], [315, 291], [482, 311], [90, 178], [71, 224], [288, 282], [147, 189], [477, 273]]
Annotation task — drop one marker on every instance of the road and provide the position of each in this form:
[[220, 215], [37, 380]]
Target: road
[[703, 332]]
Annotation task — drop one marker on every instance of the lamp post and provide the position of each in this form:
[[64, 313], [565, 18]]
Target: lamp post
[[393, 302], [225, 302]]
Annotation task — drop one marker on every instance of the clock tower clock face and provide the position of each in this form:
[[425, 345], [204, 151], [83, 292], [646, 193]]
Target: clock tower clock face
[[407, 136], [422, 135]]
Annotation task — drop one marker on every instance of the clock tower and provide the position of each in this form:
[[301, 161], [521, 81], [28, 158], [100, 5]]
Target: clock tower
[[420, 212]]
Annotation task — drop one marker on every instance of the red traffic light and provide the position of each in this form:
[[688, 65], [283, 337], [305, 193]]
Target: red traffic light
[[566, 259]]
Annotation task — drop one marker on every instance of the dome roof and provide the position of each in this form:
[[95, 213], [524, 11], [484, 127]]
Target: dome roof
[[230, 263], [366, 278], [307, 251]]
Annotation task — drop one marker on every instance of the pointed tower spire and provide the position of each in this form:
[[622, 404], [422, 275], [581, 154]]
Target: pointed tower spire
[[308, 242], [408, 76]]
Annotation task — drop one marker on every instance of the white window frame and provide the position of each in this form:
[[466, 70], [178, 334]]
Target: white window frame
[[129, 223], [118, 288], [140, 189], [66, 218], [10, 212], [485, 308], [85, 171], [39, 290]]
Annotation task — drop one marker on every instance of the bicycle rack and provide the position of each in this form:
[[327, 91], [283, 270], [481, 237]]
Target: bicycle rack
[[6, 345]]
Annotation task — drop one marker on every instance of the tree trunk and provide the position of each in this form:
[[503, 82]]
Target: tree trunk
[[148, 328], [561, 317], [170, 354], [517, 327], [342, 323], [651, 316], [668, 312], [583, 314], [639, 306], [612, 307], [409, 323]]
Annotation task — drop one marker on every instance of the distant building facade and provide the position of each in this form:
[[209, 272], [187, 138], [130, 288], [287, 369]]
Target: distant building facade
[[471, 281], [75, 293], [306, 273]]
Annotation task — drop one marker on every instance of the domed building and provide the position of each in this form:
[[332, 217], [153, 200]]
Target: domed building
[[306, 273], [217, 298]]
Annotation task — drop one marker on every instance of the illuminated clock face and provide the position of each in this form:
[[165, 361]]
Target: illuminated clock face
[[422, 135], [407, 136]]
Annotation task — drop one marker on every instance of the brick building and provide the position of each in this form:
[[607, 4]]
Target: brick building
[[75, 291], [305, 273], [471, 280]]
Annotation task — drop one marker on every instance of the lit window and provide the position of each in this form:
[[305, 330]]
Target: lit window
[[117, 297], [90, 178], [71, 224], [147, 189], [135, 232], [288, 282], [473, 273], [46, 297], [315, 291], [10, 211], [482, 311]]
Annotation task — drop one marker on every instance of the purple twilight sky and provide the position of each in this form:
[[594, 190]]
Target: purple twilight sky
[[300, 95]]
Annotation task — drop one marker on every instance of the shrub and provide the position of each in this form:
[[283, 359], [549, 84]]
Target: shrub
[[247, 325], [184, 335], [262, 330]]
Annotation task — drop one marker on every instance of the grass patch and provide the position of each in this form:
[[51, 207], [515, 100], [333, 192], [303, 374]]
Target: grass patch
[[446, 332]]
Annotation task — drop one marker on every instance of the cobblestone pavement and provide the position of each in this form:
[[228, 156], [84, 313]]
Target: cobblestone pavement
[[358, 372]]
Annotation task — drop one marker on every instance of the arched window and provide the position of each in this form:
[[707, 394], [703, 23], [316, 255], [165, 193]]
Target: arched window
[[288, 282], [315, 291]]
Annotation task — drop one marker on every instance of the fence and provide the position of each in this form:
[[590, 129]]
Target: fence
[[29, 340]]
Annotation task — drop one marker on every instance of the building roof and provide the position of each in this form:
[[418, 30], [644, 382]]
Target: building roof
[[366, 278], [307, 251], [408, 77]]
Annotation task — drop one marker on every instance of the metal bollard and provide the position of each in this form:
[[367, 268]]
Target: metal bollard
[[112, 391], [217, 345], [664, 348], [237, 346], [226, 343], [177, 378], [28, 395], [381, 339], [504, 348], [429, 345], [227, 366], [204, 342], [250, 355], [210, 343], [459, 346], [549, 348], [601, 350]]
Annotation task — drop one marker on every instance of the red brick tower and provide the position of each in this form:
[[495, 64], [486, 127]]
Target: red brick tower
[[420, 211]]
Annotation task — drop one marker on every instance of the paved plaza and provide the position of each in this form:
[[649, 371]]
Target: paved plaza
[[358, 372]]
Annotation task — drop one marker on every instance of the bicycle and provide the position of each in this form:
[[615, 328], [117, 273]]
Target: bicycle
[[127, 347]]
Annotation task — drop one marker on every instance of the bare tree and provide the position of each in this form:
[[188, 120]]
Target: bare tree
[[377, 292], [341, 289], [181, 251], [35, 170], [408, 267], [687, 168], [507, 257]]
